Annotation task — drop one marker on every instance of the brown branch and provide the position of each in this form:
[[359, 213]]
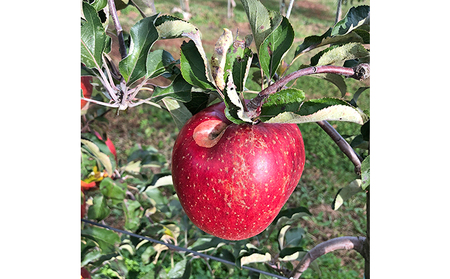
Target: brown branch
[[345, 242], [343, 145], [119, 30], [361, 71]]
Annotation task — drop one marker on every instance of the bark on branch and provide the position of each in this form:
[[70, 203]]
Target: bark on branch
[[361, 71], [340, 243], [343, 145]]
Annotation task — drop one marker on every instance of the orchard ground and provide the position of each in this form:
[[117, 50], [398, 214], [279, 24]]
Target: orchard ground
[[326, 169]]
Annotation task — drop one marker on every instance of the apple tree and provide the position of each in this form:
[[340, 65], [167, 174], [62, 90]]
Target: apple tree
[[239, 154]]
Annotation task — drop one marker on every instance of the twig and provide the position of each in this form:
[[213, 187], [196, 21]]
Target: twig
[[343, 145], [345, 242], [361, 71], [113, 12], [338, 11]]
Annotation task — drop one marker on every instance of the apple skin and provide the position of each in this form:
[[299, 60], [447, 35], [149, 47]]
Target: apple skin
[[232, 180], [86, 86], [85, 274]]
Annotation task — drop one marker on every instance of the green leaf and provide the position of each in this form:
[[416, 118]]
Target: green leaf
[[345, 193], [112, 189], [289, 216], [93, 38], [157, 61], [99, 4], [281, 235], [365, 131], [251, 254], [105, 239], [143, 36], [291, 254], [104, 159], [170, 27], [194, 72], [354, 18], [178, 110], [179, 90], [345, 52], [133, 214], [284, 100], [178, 270], [365, 173], [234, 110], [335, 79], [275, 47], [294, 236], [321, 109], [206, 244], [99, 210], [239, 61], [259, 19], [315, 41], [358, 92]]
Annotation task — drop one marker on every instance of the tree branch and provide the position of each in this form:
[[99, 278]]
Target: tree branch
[[343, 145], [113, 12], [345, 242], [361, 71]]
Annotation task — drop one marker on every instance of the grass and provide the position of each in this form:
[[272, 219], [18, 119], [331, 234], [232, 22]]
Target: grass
[[326, 169]]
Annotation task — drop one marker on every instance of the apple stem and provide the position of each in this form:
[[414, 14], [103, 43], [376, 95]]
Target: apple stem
[[115, 17], [359, 72], [339, 243], [343, 145]]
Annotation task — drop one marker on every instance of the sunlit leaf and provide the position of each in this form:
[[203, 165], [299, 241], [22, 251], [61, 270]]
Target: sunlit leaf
[[106, 239], [321, 109], [281, 235], [341, 53], [170, 27], [365, 173], [93, 38], [291, 254], [178, 270], [178, 110], [259, 19], [290, 215], [193, 71], [354, 18], [255, 258], [345, 193], [234, 110], [100, 156], [219, 57], [112, 189], [284, 100], [275, 46]]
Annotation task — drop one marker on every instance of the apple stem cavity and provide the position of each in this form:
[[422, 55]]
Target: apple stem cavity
[[208, 133]]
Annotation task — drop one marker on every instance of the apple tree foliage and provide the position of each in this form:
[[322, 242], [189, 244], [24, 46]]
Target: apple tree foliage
[[143, 200]]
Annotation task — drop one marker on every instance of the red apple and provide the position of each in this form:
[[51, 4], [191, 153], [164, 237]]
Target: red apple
[[86, 86], [85, 274], [83, 205], [232, 180]]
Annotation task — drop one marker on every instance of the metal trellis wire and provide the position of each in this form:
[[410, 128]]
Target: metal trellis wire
[[178, 248]]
